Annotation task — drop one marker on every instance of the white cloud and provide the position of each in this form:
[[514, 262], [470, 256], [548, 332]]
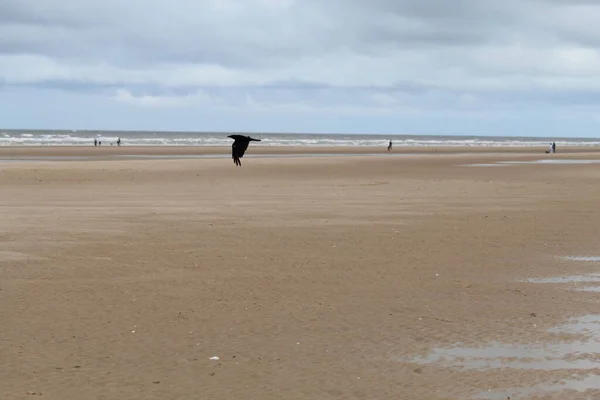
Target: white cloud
[[349, 56], [145, 100]]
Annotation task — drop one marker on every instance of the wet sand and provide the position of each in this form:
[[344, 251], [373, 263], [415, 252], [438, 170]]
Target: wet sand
[[308, 277], [261, 149]]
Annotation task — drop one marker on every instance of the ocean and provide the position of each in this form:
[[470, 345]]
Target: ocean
[[149, 138]]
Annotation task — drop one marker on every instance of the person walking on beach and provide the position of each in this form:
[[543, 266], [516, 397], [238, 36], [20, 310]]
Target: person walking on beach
[[118, 141], [390, 146], [554, 147], [95, 142]]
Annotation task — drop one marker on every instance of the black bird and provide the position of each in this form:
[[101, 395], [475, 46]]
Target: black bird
[[239, 146]]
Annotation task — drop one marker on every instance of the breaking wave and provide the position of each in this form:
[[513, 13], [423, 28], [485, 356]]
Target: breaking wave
[[86, 138]]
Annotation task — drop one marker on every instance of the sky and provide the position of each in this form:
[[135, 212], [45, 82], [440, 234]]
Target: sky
[[473, 67]]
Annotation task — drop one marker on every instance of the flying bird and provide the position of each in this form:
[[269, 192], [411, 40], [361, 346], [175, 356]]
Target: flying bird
[[239, 146]]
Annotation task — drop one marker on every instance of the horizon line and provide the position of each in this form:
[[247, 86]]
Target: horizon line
[[296, 133]]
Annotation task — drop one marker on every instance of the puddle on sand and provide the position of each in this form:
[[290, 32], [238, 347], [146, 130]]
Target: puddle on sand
[[593, 277], [557, 161], [589, 382], [589, 289], [576, 354], [582, 258], [499, 355], [562, 353], [588, 278]]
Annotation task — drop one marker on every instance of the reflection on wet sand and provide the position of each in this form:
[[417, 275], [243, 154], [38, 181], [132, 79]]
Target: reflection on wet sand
[[578, 383], [556, 161], [574, 281], [580, 354], [186, 156], [577, 355], [567, 279], [582, 258]]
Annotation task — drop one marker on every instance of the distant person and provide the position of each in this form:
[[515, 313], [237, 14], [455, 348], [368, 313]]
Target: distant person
[[95, 142], [390, 146], [118, 141], [554, 147]]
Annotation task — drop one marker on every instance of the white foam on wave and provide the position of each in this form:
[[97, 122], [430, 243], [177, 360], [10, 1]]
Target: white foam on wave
[[86, 138]]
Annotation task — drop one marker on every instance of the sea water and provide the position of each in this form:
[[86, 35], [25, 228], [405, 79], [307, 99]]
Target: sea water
[[149, 138]]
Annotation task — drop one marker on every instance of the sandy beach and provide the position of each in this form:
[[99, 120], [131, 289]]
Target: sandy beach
[[308, 277], [123, 151]]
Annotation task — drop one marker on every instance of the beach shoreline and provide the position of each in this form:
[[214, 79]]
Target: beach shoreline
[[257, 149]]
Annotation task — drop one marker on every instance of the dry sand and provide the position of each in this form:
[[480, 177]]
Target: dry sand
[[309, 277]]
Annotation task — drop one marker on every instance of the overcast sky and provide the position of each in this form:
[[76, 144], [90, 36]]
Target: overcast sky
[[516, 67]]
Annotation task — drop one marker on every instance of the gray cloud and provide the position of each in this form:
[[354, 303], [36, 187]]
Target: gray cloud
[[188, 31], [379, 54]]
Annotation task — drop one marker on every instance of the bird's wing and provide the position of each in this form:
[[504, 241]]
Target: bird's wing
[[239, 148]]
